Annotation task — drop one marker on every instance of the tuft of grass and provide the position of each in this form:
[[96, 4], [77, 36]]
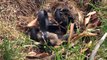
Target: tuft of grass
[[13, 42], [101, 9], [14, 50]]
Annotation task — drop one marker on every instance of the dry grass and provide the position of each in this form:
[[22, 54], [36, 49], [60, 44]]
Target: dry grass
[[12, 15], [15, 14]]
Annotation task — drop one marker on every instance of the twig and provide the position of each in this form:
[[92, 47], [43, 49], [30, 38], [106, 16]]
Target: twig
[[85, 33], [71, 32], [97, 46]]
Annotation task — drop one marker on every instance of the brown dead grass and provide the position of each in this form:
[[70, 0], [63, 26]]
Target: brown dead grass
[[15, 12]]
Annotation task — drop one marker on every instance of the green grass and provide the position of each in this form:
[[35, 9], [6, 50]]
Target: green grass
[[74, 53], [15, 49], [101, 9]]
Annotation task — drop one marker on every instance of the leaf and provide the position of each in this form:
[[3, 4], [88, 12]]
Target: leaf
[[95, 20], [91, 13], [90, 26], [97, 23], [80, 16], [32, 23], [87, 20], [85, 33], [89, 44], [31, 55], [42, 55]]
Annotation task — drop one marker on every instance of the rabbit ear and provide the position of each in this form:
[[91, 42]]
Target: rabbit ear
[[43, 23], [57, 15], [43, 20]]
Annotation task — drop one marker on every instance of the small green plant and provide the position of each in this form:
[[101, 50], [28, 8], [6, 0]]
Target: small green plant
[[13, 49], [101, 9], [7, 50]]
